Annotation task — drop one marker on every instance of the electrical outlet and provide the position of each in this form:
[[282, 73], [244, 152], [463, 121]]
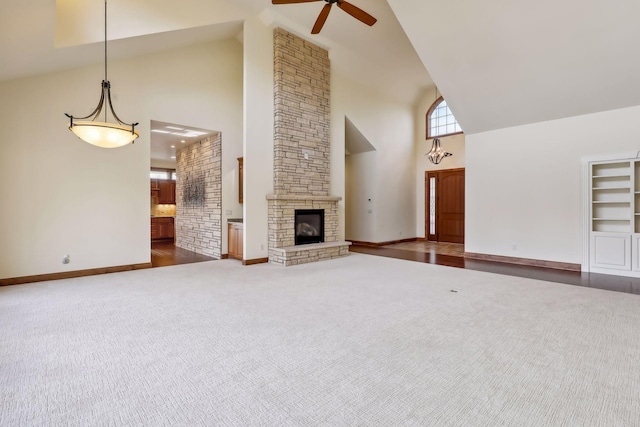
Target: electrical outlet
[[262, 247], [229, 212], [66, 259], [514, 247]]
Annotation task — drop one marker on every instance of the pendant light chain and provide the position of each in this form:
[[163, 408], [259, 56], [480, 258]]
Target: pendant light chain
[[106, 80], [105, 41]]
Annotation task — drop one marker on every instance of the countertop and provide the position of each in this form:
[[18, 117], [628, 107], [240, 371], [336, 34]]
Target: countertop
[[241, 220]]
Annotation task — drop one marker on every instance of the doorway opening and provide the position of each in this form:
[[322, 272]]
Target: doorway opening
[[444, 205], [185, 185]]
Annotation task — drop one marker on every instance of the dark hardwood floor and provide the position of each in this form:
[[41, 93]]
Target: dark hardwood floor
[[164, 253], [590, 280]]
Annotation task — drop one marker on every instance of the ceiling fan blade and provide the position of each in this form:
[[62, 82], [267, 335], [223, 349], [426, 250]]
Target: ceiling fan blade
[[357, 13], [324, 13], [291, 1]]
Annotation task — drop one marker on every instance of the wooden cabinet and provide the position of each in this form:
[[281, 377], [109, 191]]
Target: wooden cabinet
[[167, 192], [162, 228], [163, 191], [240, 179], [155, 190], [236, 231]]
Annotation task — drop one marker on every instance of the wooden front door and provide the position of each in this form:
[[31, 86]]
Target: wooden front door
[[444, 197]]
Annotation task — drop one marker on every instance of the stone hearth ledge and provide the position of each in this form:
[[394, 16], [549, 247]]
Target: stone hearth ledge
[[312, 252]]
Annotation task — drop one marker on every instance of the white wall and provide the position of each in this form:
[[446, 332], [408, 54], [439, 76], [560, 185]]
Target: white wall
[[523, 184], [62, 196], [389, 127], [162, 164], [453, 144], [258, 135]]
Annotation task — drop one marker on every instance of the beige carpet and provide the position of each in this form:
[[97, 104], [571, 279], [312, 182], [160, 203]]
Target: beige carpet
[[361, 340]]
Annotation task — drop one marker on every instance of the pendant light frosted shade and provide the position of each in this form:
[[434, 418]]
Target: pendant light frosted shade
[[437, 153], [105, 135]]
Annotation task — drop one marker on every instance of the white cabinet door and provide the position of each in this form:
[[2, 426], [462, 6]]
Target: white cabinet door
[[611, 250]]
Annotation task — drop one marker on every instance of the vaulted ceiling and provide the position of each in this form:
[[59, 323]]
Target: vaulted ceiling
[[37, 36], [498, 64], [512, 62]]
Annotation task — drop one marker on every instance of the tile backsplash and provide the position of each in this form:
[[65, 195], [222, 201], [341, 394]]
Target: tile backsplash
[[162, 210]]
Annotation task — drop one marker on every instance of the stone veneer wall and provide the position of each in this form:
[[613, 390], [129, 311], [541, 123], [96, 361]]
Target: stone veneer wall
[[301, 136], [302, 173], [199, 197]]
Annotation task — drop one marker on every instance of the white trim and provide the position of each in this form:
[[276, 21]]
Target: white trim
[[586, 215], [612, 157]]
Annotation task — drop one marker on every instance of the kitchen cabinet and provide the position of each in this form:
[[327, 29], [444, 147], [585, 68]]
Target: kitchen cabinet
[[162, 228], [163, 191], [155, 190], [167, 192], [236, 231]]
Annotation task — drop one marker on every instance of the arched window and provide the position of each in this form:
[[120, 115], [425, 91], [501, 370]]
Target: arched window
[[440, 120]]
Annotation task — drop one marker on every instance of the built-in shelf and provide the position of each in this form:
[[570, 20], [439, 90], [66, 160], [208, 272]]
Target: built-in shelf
[[612, 177], [610, 188], [611, 219], [612, 202]]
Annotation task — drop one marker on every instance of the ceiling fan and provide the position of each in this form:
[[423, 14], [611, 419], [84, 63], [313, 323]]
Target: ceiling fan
[[352, 10]]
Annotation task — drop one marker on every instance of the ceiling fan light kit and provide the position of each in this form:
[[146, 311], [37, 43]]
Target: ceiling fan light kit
[[352, 10]]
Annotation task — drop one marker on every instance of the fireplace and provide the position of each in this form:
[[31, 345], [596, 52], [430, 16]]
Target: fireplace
[[309, 226]]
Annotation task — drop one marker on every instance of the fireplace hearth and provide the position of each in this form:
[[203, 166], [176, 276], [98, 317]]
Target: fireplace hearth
[[309, 226]]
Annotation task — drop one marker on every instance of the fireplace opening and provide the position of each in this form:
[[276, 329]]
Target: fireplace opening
[[309, 226]]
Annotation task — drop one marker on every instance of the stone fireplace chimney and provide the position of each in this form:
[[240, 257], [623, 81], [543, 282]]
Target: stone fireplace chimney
[[302, 169]]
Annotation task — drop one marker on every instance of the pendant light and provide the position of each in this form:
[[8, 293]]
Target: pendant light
[[436, 154], [103, 134]]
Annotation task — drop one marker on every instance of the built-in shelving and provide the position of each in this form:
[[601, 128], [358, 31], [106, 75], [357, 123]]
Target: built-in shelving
[[611, 201], [615, 215]]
